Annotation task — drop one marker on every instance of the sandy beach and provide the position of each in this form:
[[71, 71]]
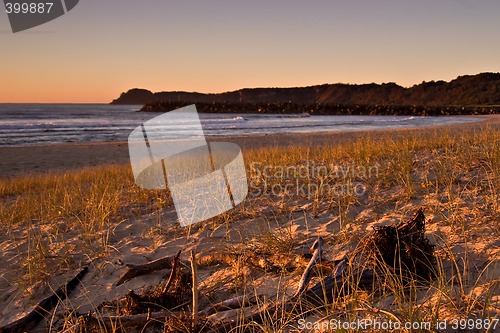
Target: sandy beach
[[250, 167], [53, 227]]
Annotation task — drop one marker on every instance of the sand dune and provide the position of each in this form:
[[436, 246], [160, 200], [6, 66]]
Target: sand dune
[[463, 223]]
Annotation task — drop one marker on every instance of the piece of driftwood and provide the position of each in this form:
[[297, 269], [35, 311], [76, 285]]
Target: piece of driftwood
[[336, 284], [32, 319], [229, 304], [322, 291], [173, 273], [138, 270], [204, 261], [401, 249], [111, 323], [306, 276], [139, 321]]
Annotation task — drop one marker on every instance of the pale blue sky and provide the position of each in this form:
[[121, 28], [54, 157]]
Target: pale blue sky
[[104, 47]]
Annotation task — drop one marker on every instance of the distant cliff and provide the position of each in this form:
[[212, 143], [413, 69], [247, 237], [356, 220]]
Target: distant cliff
[[468, 90]]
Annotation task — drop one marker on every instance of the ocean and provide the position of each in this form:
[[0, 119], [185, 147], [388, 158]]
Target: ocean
[[34, 124]]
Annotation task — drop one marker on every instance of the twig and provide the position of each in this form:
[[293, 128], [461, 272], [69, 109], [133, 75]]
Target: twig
[[195, 291]]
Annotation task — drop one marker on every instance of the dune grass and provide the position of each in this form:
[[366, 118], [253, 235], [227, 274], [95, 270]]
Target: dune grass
[[88, 203], [453, 175]]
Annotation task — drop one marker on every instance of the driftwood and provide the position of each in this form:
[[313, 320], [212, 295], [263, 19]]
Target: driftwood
[[337, 284], [306, 276], [204, 261], [317, 296], [32, 319], [111, 323], [229, 304], [138, 270], [400, 249], [173, 273], [320, 294], [387, 247]]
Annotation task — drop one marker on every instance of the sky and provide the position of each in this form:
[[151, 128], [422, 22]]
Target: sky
[[104, 47]]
